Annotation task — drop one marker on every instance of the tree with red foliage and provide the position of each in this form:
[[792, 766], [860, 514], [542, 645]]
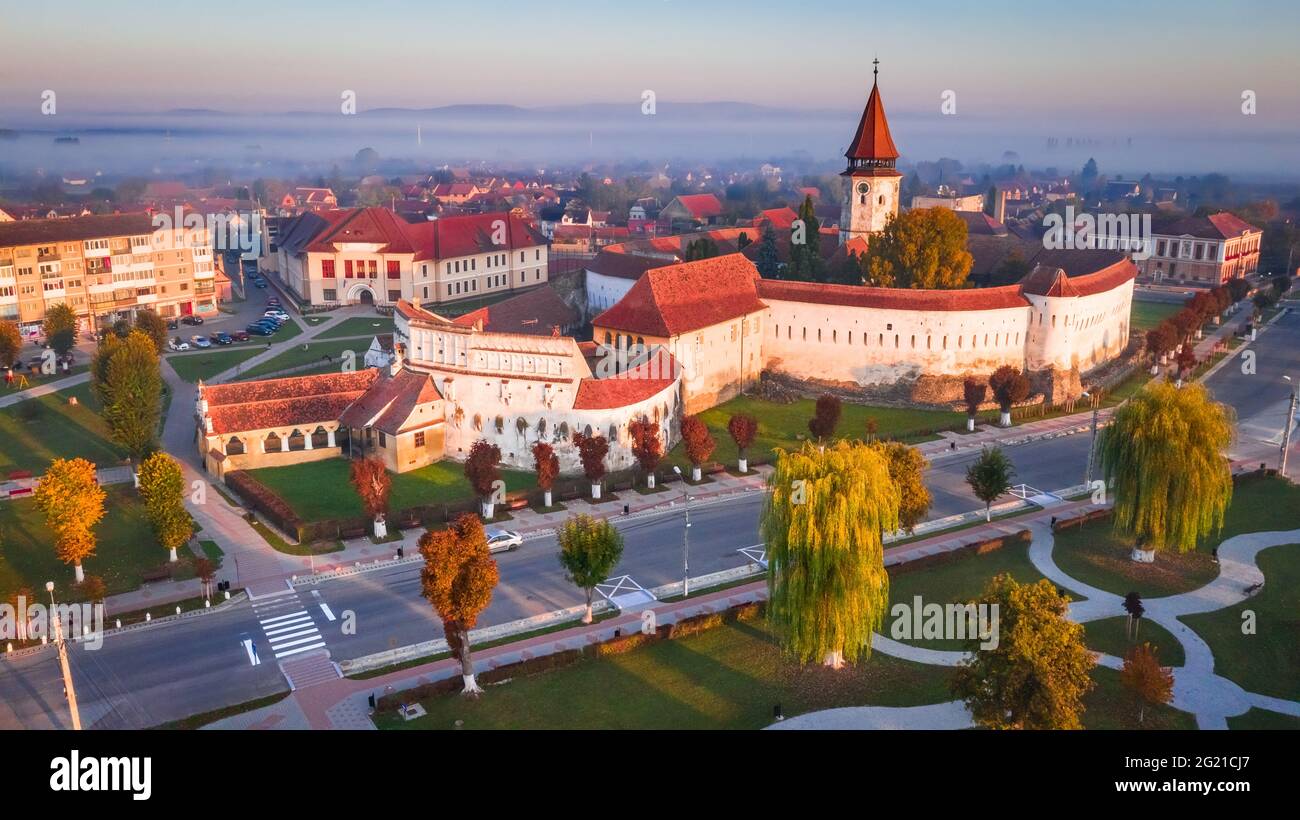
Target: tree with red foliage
[[1186, 361], [743, 429], [372, 482], [1160, 340], [547, 465], [1009, 386], [484, 475], [698, 442], [826, 417], [591, 452], [646, 446], [457, 580], [973, 393]]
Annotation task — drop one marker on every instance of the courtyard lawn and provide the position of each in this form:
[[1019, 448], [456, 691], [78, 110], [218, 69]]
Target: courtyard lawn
[[1266, 660], [1110, 706], [1147, 315], [194, 366], [782, 425], [956, 581], [369, 326], [126, 547], [728, 677], [1108, 635], [1095, 555], [322, 490], [36, 431], [309, 353]]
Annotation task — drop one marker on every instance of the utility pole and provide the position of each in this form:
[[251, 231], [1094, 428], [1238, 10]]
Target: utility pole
[[1286, 426], [1092, 445], [686, 538], [63, 660]]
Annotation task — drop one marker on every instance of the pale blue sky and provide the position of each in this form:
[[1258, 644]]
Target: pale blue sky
[[1182, 62]]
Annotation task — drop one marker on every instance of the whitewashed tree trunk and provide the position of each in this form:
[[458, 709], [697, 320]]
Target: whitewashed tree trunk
[[834, 659], [595, 491], [1004, 420], [546, 498], [472, 689], [695, 474], [81, 575], [650, 480], [1155, 370], [381, 527], [489, 509], [743, 464], [1144, 556], [173, 559], [970, 424], [587, 616]]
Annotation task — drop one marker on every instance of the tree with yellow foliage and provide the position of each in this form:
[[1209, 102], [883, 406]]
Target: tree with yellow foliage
[[162, 485], [73, 503], [1150, 683], [923, 248]]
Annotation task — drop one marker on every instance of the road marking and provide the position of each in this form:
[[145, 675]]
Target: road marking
[[253, 660], [287, 653], [328, 615], [292, 632]]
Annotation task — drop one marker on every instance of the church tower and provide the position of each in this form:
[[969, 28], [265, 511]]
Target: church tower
[[873, 185]]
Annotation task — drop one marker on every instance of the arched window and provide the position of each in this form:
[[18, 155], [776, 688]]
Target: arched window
[[235, 446], [320, 438], [271, 443], [297, 441]]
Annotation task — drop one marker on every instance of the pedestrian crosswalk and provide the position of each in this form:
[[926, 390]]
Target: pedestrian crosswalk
[[288, 625]]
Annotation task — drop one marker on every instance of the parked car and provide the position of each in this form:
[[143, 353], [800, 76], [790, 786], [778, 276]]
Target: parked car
[[276, 314], [259, 283], [171, 324], [273, 300], [223, 338], [240, 335], [260, 330], [191, 320], [503, 540], [178, 344], [200, 341]]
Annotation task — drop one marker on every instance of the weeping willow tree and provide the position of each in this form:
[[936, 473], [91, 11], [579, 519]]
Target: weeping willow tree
[[822, 522], [1163, 450]]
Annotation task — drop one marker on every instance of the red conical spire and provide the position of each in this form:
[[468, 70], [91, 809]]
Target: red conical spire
[[872, 143]]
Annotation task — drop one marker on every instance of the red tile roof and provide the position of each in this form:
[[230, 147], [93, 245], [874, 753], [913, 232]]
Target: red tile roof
[[537, 313], [701, 206], [292, 402], [392, 404], [630, 387], [687, 296], [780, 218], [872, 140], [893, 298], [443, 238], [1230, 225], [1045, 280]]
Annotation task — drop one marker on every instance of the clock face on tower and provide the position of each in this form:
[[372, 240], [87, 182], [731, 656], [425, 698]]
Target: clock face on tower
[[863, 187]]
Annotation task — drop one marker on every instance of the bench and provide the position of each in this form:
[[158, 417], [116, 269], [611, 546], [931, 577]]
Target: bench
[[162, 573]]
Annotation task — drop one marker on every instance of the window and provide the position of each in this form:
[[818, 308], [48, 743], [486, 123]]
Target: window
[[327, 268], [329, 294], [419, 439], [347, 268], [394, 295], [383, 440], [394, 270]]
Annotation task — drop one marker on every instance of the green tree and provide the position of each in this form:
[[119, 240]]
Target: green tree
[[153, 326], [457, 580], [590, 548], [806, 263], [60, 328], [1163, 451], [907, 472], [823, 523], [989, 477], [126, 380], [1037, 672], [11, 344], [702, 248], [162, 485], [768, 261], [923, 248]]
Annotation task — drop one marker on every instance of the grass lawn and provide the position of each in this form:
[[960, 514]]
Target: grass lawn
[[358, 326], [322, 490], [1268, 660], [1108, 635], [1096, 556], [1110, 706], [779, 425], [36, 431], [126, 547], [1147, 315], [194, 366], [725, 678], [307, 353], [1258, 718], [956, 581]]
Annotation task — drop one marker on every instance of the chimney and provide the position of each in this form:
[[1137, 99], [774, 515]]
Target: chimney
[[399, 352], [1000, 206]]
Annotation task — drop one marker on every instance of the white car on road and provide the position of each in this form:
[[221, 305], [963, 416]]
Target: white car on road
[[276, 314], [178, 344], [503, 540]]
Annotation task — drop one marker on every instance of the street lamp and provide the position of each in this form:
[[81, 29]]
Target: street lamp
[[63, 659], [686, 537], [1092, 445], [1286, 425]]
